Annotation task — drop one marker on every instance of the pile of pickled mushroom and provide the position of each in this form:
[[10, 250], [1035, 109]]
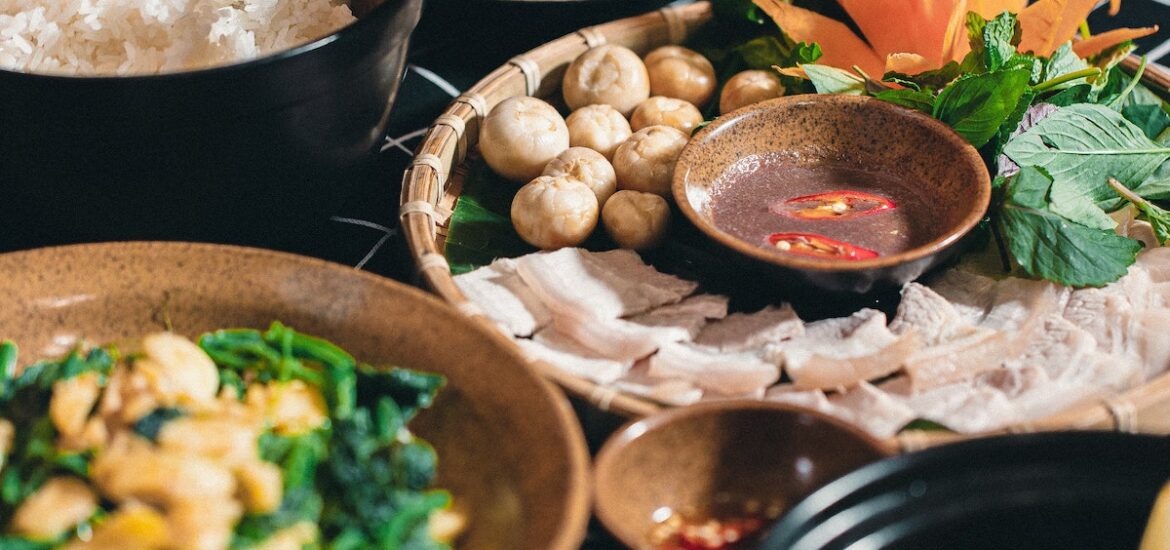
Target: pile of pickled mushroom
[[610, 162], [247, 439]]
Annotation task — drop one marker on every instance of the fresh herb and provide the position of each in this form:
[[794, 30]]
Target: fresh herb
[[1082, 146], [1049, 246], [924, 425], [1159, 218], [977, 105], [831, 80]]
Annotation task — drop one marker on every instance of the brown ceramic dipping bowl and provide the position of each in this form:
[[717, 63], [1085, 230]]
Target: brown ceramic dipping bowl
[[510, 449], [705, 458], [853, 131]]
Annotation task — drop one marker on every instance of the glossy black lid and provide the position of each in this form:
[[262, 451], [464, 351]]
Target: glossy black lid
[[1061, 490]]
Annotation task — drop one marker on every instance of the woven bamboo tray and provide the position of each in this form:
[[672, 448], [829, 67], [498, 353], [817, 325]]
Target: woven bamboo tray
[[433, 183]]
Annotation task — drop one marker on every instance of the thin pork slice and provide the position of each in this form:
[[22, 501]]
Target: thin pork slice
[[741, 332], [669, 391], [964, 407], [1020, 305], [925, 312], [1054, 398], [691, 314], [1069, 356], [787, 393], [504, 298], [603, 285], [969, 352], [836, 353], [1014, 380], [969, 294], [1149, 341], [711, 370], [616, 339], [1156, 261], [1104, 313], [602, 371], [873, 410]]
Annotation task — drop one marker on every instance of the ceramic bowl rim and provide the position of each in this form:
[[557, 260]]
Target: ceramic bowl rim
[[947, 138], [359, 25], [631, 431], [570, 533]]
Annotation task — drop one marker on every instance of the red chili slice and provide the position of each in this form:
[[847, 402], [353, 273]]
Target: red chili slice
[[834, 205], [818, 246]]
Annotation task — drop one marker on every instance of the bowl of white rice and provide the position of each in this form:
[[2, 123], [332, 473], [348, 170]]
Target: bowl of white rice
[[189, 119]]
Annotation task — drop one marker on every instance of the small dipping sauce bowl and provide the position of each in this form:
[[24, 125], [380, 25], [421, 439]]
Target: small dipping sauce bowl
[[723, 460], [903, 148]]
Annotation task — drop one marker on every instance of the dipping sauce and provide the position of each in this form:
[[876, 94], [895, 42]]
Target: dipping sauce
[[727, 527], [826, 210]]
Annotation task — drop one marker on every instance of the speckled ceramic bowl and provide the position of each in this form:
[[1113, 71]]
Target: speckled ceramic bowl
[[852, 131], [510, 449], [691, 460]]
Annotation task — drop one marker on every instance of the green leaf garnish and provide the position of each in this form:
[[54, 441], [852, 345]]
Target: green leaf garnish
[[1084, 145], [976, 105], [1049, 246]]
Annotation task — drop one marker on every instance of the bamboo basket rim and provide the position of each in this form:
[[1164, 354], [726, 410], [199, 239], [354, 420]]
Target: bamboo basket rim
[[433, 182]]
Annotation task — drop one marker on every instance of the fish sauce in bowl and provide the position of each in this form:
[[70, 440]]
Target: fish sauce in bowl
[[832, 192], [825, 210]]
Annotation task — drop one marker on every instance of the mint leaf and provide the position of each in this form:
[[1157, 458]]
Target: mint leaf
[[920, 100], [1157, 186], [831, 80], [1012, 123], [765, 51], [1151, 118], [1048, 246], [1159, 219], [929, 80], [1000, 36], [1064, 61], [1067, 201], [1084, 145], [977, 105], [1079, 93]]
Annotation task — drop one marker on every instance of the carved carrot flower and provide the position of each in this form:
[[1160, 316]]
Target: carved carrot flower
[[912, 36]]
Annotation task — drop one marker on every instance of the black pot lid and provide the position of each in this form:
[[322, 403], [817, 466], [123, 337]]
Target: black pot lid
[[1081, 490]]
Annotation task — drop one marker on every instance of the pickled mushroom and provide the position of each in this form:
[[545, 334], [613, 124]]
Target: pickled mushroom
[[609, 74], [749, 87], [666, 111], [598, 127], [588, 167], [520, 136], [635, 219], [551, 212], [645, 162], [682, 73]]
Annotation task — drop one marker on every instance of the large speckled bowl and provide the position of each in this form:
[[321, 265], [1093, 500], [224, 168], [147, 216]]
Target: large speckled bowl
[[853, 131], [690, 459], [510, 449]]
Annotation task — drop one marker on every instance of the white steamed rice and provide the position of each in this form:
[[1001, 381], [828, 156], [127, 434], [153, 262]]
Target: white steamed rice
[[124, 37]]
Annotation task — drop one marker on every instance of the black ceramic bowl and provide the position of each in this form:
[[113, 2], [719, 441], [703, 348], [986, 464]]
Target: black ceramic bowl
[[224, 153], [1047, 491]]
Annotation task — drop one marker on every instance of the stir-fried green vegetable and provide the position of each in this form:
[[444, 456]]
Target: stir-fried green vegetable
[[360, 477]]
